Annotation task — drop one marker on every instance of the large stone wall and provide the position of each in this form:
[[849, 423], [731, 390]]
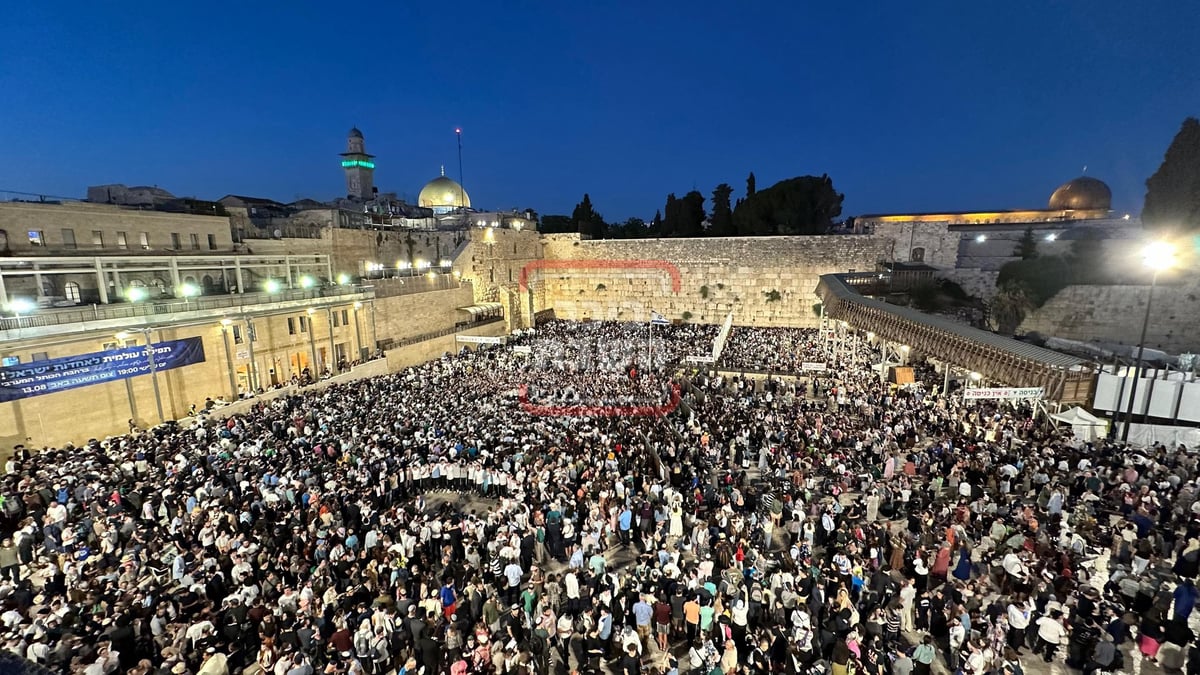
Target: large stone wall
[[764, 281], [934, 243], [1115, 313], [404, 316], [351, 250]]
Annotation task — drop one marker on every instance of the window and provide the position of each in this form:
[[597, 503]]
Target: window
[[144, 241], [98, 238], [291, 326], [335, 319], [303, 324], [237, 334], [195, 242], [37, 238], [122, 243], [68, 237], [176, 242], [71, 291], [918, 255], [39, 356], [212, 242], [345, 317]]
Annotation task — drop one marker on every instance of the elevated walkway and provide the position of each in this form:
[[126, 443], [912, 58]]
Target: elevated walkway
[[1066, 379]]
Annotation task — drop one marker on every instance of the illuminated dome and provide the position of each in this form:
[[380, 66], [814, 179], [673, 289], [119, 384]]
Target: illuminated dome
[[443, 195], [1083, 193]]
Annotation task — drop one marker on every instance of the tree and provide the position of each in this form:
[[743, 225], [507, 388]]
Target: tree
[[1172, 203], [1009, 307], [656, 225], [671, 217], [633, 228], [1026, 248], [750, 186], [691, 215], [802, 205], [722, 211], [587, 220], [557, 225]]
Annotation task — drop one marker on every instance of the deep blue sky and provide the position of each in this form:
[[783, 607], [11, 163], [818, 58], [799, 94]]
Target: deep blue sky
[[912, 106]]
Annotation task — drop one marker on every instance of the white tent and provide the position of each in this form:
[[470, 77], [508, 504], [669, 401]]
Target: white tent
[[1087, 427]]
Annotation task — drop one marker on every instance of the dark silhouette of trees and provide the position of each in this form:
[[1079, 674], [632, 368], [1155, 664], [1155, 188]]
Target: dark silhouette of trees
[[722, 211], [1172, 203], [803, 205]]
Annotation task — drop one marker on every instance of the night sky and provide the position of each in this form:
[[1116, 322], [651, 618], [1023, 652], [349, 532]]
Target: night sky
[[908, 106]]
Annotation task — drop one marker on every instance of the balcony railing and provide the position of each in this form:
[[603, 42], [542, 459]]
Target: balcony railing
[[152, 308]]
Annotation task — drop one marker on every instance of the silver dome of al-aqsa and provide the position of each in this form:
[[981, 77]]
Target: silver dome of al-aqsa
[[1082, 194]]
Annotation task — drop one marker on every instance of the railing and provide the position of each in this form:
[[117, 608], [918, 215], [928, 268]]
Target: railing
[[152, 308], [285, 232], [414, 339], [417, 283]]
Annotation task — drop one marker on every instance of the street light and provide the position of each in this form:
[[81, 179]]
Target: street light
[[136, 294], [271, 286], [306, 282], [189, 290], [343, 279], [1158, 256], [980, 238]]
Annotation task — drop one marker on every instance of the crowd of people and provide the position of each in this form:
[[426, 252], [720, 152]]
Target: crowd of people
[[428, 522]]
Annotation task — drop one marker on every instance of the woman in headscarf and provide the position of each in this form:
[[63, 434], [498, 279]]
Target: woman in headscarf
[[962, 571]]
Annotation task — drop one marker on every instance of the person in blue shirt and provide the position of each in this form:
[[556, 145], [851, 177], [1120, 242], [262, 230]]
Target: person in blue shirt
[[1186, 595], [625, 522]]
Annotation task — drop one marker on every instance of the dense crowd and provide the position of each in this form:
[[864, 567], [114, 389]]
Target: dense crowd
[[430, 522]]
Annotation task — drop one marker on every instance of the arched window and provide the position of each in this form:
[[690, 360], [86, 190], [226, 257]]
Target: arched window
[[918, 254], [71, 291]]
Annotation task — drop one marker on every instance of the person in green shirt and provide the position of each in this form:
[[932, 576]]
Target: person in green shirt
[[529, 600], [706, 618]]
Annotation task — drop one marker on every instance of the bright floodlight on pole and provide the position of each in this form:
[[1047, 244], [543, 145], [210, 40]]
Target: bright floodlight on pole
[[271, 286], [136, 294], [343, 279], [306, 282], [189, 290], [1157, 256]]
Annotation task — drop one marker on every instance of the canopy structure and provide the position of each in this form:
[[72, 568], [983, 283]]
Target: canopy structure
[[484, 310], [1087, 427]]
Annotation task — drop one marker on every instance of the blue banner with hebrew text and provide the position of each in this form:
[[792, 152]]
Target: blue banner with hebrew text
[[70, 372]]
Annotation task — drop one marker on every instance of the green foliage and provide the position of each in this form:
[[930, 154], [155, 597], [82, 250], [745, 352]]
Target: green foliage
[[1040, 278], [773, 295], [1172, 203], [816, 309], [1026, 248], [722, 211], [720, 286], [556, 225], [803, 205], [704, 292], [686, 316], [601, 287], [691, 215], [1009, 307], [926, 296], [750, 185], [587, 220]]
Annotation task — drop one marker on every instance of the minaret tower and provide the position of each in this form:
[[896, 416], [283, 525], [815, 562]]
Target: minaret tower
[[359, 168]]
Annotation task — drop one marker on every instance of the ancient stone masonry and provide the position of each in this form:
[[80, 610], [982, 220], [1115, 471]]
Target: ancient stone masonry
[[763, 281]]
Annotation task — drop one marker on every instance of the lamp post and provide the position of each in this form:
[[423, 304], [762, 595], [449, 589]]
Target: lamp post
[[357, 333], [1158, 256], [233, 392]]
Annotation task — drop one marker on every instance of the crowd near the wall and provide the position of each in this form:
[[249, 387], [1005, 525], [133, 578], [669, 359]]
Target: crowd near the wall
[[427, 522]]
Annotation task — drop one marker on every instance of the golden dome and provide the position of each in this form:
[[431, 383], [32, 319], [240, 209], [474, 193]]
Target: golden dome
[[1083, 193], [443, 193]]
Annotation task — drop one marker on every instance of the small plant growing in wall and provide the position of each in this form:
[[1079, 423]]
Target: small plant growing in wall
[[704, 292], [720, 287], [816, 309], [686, 316], [773, 295], [601, 287]]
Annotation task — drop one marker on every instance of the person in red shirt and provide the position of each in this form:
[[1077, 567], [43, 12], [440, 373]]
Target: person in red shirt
[[662, 623]]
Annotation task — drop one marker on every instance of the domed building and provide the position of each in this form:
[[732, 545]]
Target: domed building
[[1082, 194], [443, 195]]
